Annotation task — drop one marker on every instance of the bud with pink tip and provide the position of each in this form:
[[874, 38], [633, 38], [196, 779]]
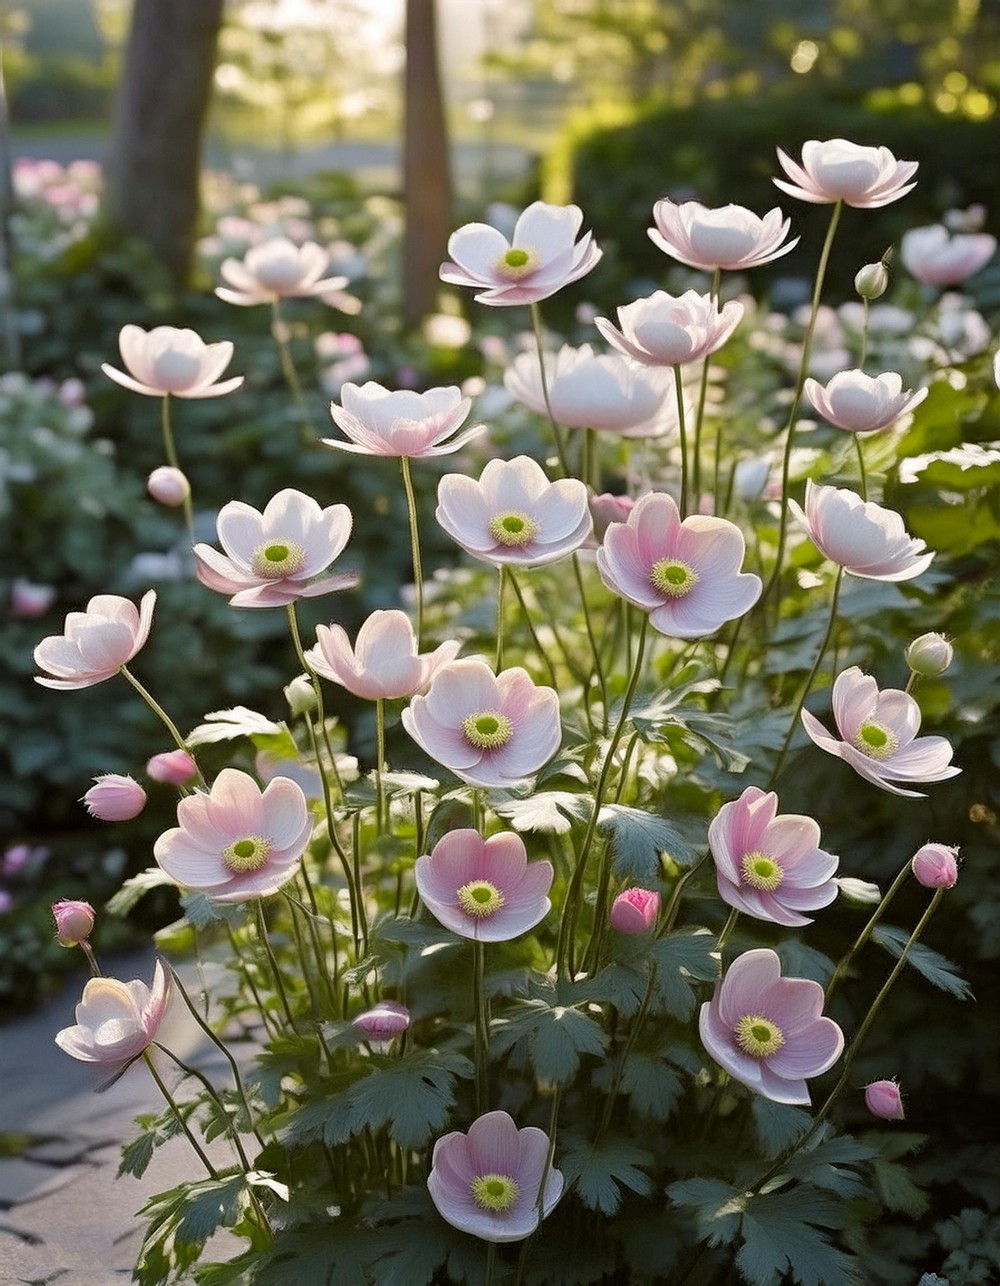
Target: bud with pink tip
[[168, 485], [74, 922], [115, 797], [882, 1099], [384, 1021], [935, 866], [173, 767], [635, 911], [929, 655], [28, 600]]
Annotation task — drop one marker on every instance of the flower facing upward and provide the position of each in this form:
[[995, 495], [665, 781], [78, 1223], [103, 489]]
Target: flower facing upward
[[542, 256], [668, 330], [74, 922], [488, 1182], [115, 798], [514, 514], [95, 643], [767, 1031], [586, 390], [379, 422], [882, 1099], [866, 540], [276, 269], [273, 558], [878, 735], [115, 1021], [635, 911], [935, 866], [767, 865], [836, 170], [939, 258], [484, 888], [730, 237], [860, 403], [383, 663], [167, 361], [684, 574], [237, 842], [490, 730]]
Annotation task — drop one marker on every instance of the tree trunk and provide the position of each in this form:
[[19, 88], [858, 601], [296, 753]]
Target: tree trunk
[[155, 161], [426, 171]]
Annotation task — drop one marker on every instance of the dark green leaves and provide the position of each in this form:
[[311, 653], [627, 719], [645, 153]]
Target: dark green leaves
[[600, 1171], [551, 1038], [638, 838], [937, 969]]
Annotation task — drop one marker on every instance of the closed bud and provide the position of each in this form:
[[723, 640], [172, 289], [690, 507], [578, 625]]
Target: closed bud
[[882, 1099], [606, 509], [929, 655], [935, 866], [383, 1022], [74, 922], [115, 798], [635, 911], [168, 485], [872, 281], [300, 695], [173, 767]]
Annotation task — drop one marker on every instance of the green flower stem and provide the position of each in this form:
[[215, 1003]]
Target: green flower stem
[[845, 963], [522, 1258], [682, 436], [911, 682], [623, 1057], [88, 951], [309, 433], [543, 655], [300, 947], [700, 413], [178, 1115], [162, 715], [411, 513], [500, 621], [793, 413], [248, 973], [866, 306], [592, 639], [380, 805], [210, 1090], [669, 914], [809, 681], [279, 983], [482, 1026], [536, 325], [170, 451], [861, 465], [727, 929], [491, 1263]]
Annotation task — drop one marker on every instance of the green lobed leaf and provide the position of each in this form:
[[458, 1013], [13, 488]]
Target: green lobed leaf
[[411, 1096], [137, 1155], [717, 1207], [779, 1233], [638, 838], [154, 877], [682, 959], [551, 1037], [936, 968], [599, 1171]]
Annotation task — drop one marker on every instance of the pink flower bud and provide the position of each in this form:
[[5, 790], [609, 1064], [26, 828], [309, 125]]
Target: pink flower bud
[[929, 655], [168, 485], [882, 1099], [935, 866], [74, 922], [174, 767], [385, 1021], [28, 601], [606, 508], [635, 911], [115, 798]]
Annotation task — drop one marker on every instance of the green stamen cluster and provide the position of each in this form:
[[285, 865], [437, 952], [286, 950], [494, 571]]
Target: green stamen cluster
[[513, 529], [248, 854], [279, 558], [516, 263], [673, 577], [761, 872], [487, 729], [758, 1036], [480, 898], [875, 740], [495, 1192]]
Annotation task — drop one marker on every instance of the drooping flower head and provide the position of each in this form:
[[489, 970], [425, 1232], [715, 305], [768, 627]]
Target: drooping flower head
[[95, 643], [770, 865], [837, 170], [586, 390], [384, 663], [730, 237], [882, 1099], [684, 574], [237, 842], [514, 514], [275, 557], [878, 735], [864, 538], [383, 1022], [860, 403], [170, 362], [668, 330], [115, 797], [116, 1021], [276, 269], [767, 1031], [484, 889], [490, 730], [173, 767], [379, 422], [488, 1182], [938, 257], [542, 256]]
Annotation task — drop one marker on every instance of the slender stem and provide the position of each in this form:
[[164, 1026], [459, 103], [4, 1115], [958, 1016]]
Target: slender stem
[[491, 1262], [309, 433], [88, 951], [500, 622], [170, 451], [178, 1115], [727, 929], [411, 513], [911, 682], [844, 964], [700, 414], [162, 715], [673, 906], [380, 763], [682, 435], [592, 638], [626, 1050], [543, 655], [866, 306], [861, 465], [536, 324], [265, 942], [482, 1026], [210, 1090], [522, 1259]]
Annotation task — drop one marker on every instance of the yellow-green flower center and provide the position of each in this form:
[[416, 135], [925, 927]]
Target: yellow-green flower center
[[758, 1036], [673, 577], [761, 872], [279, 558], [480, 898], [247, 854], [875, 740], [496, 1193], [516, 263], [487, 729], [513, 529]]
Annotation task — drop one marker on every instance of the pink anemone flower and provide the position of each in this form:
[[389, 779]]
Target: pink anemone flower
[[276, 269], [490, 730], [542, 256], [170, 362], [837, 170], [770, 865], [384, 662], [586, 390], [485, 889], [514, 514], [938, 257], [878, 735], [684, 574], [96, 643], [116, 1021], [491, 1181], [767, 1031], [273, 558], [860, 403], [731, 237], [865, 539], [401, 423], [668, 330], [237, 842]]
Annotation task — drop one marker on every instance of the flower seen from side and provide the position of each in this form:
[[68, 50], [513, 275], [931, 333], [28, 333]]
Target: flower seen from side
[[383, 663], [586, 390], [860, 403], [115, 797], [768, 1032], [172, 767], [402, 423], [882, 1099], [541, 257], [938, 257], [275, 557], [116, 1021], [485, 889], [166, 361], [770, 865], [95, 643], [935, 866], [276, 269], [686, 575], [168, 486], [864, 538], [668, 330], [730, 237], [383, 1022], [878, 735], [635, 911], [237, 842], [490, 730], [495, 1181], [838, 170], [74, 922]]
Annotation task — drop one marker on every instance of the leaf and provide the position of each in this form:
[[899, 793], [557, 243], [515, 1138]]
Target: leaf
[[615, 985], [717, 1207], [963, 468], [826, 1165], [777, 1124], [154, 877], [779, 1235], [201, 911], [547, 810], [599, 1172], [318, 1254], [237, 721], [936, 968], [551, 1037], [638, 838], [137, 1155], [897, 1190], [683, 958], [652, 1086], [411, 1096]]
